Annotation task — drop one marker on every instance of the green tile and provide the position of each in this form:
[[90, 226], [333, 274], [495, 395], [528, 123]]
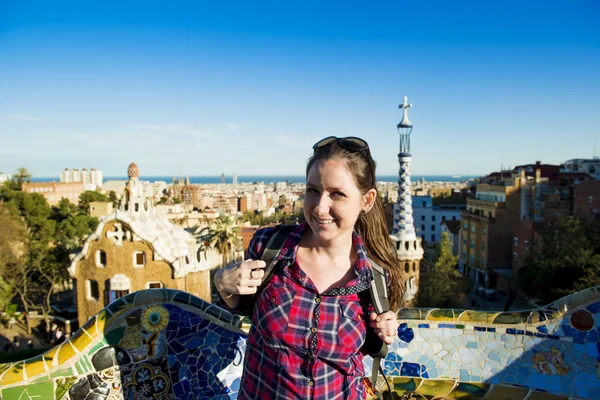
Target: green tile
[[114, 336], [63, 385], [97, 347], [44, 390], [61, 373]]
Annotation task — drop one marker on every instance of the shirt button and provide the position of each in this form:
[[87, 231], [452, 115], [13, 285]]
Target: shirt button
[[313, 330], [318, 300], [311, 383], [272, 299]]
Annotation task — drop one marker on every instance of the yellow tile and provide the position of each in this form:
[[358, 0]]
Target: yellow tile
[[477, 316], [65, 352], [13, 375], [81, 340], [436, 388], [441, 315], [49, 356], [101, 318], [34, 367]]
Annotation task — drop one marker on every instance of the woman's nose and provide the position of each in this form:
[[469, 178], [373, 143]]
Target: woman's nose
[[322, 206]]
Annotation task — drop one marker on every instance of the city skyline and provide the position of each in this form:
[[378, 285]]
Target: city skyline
[[201, 89]]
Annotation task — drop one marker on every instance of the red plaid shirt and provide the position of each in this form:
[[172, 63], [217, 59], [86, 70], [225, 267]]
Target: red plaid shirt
[[302, 344]]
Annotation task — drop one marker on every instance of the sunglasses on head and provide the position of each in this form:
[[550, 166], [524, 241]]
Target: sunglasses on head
[[350, 143]]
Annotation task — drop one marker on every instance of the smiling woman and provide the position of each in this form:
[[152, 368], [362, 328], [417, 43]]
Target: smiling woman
[[310, 323]]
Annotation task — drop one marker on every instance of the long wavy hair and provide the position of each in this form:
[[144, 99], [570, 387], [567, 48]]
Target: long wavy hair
[[371, 226]]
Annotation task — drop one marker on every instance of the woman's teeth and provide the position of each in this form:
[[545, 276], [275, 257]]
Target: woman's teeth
[[324, 221]]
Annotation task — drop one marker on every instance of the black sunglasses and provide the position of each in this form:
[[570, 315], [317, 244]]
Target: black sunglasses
[[350, 143]]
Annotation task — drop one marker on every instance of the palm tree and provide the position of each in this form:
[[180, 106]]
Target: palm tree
[[225, 238], [20, 176]]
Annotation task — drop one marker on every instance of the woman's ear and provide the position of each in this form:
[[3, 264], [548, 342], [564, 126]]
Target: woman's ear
[[369, 200]]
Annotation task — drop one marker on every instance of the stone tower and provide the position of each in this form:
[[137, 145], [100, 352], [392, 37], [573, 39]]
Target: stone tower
[[408, 245]]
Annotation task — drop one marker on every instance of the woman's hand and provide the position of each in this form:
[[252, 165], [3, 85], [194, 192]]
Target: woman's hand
[[385, 325], [236, 279]]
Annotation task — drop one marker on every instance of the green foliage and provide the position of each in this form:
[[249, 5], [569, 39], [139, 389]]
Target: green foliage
[[257, 218], [87, 197], [440, 288], [564, 260], [225, 237], [20, 176]]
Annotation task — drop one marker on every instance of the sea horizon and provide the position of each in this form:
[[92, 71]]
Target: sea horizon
[[215, 179]]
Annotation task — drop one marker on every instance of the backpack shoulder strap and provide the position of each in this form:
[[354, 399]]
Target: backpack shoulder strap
[[269, 254], [381, 303]]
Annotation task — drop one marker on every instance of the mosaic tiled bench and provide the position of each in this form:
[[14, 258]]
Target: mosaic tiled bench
[[166, 344]]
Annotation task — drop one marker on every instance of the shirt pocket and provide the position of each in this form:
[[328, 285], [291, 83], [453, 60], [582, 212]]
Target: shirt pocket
[[273, 311], [352, 329]]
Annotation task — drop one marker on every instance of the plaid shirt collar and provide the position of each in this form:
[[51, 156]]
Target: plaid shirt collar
[[289, 250]]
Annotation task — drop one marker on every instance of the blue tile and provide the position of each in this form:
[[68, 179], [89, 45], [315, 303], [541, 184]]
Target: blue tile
[[594, 308], [405, 333], [410, 369], [480, 329], [543, 329], [491, 329], [423, 325], [446, 325], [471, 345]]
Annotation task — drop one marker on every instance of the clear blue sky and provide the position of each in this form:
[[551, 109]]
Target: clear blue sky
[[200, 88]]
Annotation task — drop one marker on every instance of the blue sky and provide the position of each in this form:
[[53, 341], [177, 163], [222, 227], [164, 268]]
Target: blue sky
[[200, 88]]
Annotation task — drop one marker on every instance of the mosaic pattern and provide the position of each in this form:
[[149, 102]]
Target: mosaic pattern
[[165, 344], [403, 214]]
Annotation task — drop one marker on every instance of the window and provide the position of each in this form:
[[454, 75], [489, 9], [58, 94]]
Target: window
[[526, 244], [433, 227], [472, 258], [424, 204], [139, 259], [516, 257], [483, 230], [516, 240], [422, 218], [100, 258], [423, 237], [93, 292], [433, 238], [473, 228], [113, 295], [155, 285], [433, 217], [443, 218], [472, 244], [482, 245], [464, 240], [483, 261], [465, 225], [414, 267], [591, 199], [454, 218], [422, 228], [406, 267]]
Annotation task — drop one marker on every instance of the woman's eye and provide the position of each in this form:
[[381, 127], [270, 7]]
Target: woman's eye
[[338, 194], [311, 190]]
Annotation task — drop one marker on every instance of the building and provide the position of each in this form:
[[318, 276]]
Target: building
[[134, 248], [586, 203], [91, 178], [54, 192], [408, 245], [487, 231], [590, 166], [428, 218], [4, 178], [100, 209]]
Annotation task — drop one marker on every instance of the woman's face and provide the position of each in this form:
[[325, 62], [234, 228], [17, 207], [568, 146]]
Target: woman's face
[[333, 202]]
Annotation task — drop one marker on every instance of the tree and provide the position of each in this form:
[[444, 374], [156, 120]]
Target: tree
[[21, 176], [225, 237], [13, 254], [440, 289], [565, 259], [87, 197]]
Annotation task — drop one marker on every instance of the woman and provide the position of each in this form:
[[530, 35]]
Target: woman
[[309, 323]]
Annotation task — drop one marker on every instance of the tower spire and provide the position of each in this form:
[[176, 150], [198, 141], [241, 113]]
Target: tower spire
[[408, 245]]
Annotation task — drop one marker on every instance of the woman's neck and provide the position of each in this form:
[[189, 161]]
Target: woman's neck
[[334, 250]]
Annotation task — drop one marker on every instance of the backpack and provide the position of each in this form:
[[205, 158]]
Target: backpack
[[378, 295]]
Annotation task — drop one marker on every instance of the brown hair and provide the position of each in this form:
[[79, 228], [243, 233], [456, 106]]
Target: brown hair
[[371, 226]]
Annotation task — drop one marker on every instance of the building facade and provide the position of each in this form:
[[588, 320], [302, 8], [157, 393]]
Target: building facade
[[429, 217], [91, 178], [54, 192], [134, 248]]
